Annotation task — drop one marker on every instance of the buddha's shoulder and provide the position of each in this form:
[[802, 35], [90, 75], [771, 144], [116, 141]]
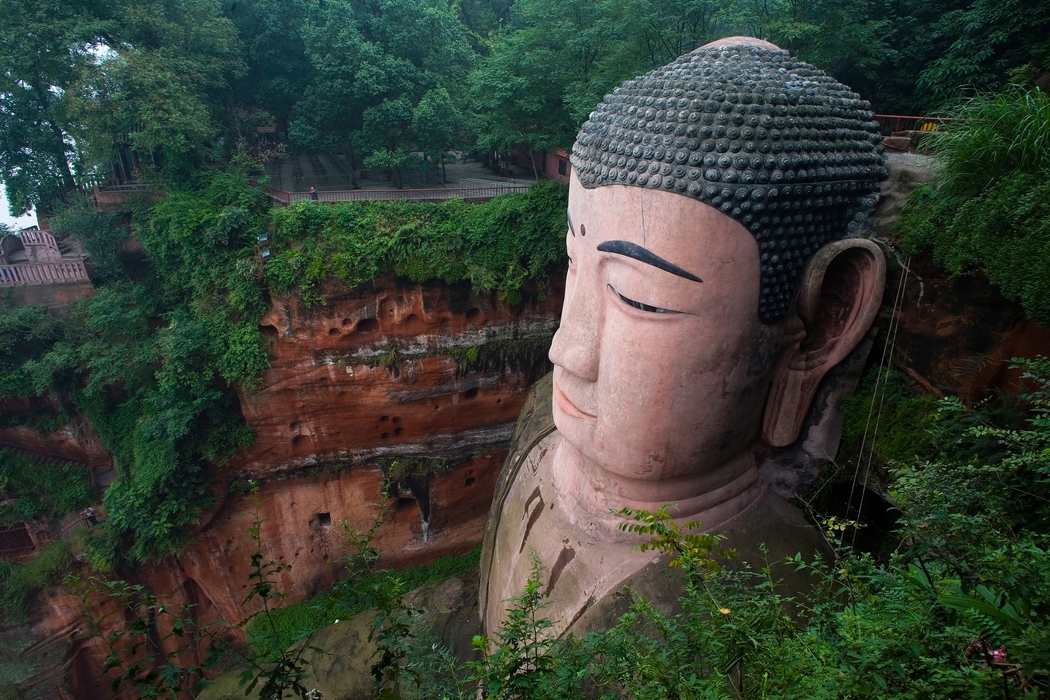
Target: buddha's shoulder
[[537, 416], [535, 422]]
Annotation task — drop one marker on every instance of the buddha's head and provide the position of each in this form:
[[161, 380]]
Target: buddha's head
[[716, 272]]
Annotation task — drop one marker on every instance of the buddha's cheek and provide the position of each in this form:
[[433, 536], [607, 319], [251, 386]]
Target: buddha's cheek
[[667, 400]]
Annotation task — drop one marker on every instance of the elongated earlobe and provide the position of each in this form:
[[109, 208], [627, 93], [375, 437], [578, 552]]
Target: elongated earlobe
[[840, 294]]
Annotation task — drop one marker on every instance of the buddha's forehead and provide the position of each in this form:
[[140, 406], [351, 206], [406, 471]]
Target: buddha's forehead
[[689, 234], [774, 143]]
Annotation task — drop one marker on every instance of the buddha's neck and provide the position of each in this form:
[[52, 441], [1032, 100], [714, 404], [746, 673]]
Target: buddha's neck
[[712, 497]]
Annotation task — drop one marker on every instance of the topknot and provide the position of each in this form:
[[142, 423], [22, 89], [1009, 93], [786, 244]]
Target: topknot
[[775, 143]]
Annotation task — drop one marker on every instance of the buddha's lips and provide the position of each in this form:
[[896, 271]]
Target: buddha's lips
[[568, 407]]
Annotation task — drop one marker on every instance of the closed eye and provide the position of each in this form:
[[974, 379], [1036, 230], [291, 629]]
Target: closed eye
[[645, 307]]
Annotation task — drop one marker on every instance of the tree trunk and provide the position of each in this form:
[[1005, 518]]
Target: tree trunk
[[535, 170]]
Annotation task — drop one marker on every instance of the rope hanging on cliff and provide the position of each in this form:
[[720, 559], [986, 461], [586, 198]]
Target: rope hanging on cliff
[[884, 371]]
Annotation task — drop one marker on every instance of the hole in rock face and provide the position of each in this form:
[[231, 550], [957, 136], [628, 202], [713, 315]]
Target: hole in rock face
[[293, 427], [499, 400], [470, 394], [347, 321], [473, 313], [298, 440], [470, 481], [397, 420], [399, 431], [333, 331], [269, 331], [388, 307], [324, 520], [384, 419], [384, 436], [368, 325]]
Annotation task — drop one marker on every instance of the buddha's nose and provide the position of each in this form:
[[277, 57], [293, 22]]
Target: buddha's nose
[[576, 345]]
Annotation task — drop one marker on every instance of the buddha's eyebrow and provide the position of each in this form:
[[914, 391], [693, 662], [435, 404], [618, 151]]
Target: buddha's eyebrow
[[571, 227], [641, 254]]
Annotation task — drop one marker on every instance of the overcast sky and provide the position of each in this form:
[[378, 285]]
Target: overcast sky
[[6, 218]]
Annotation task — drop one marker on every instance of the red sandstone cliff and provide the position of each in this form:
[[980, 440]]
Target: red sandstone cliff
[[410, 390]]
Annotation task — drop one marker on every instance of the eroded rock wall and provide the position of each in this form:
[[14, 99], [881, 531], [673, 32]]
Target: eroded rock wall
[[409, 391]]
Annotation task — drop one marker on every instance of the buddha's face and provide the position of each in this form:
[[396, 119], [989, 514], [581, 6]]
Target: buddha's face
[[661, 366]]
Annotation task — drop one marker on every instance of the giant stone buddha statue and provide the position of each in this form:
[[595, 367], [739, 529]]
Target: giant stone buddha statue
[[717, 272]]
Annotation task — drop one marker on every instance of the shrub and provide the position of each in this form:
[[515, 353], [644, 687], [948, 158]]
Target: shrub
[[41, 489], [21, 583], [990, 211]]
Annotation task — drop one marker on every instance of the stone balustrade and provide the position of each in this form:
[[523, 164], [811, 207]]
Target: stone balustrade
[[42, 273]]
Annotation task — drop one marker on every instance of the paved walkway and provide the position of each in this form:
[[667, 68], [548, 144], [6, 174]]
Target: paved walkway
[[329, 171]]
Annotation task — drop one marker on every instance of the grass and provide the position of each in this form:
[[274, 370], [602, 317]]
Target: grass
[[21, 583], [322, 610], [993, 135]]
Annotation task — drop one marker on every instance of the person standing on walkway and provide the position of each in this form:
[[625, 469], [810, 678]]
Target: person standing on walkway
[[313, 193]]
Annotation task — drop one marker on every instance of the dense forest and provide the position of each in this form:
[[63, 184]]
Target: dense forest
[[184, 83], [172, 93]]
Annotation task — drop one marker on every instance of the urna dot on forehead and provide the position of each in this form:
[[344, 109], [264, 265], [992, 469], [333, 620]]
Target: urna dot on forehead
[[740, 125]]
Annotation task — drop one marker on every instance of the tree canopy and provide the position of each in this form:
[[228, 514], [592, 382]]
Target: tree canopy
[[397, 83]]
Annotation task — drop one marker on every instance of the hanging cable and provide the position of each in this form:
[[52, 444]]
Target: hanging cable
[[897, 302]]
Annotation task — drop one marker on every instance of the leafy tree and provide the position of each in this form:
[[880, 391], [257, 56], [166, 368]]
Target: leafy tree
[[46, 49], [373, 63], [161, 82], [991, 207], [987, 42], [277, 65], [439, 126], [384, 134]]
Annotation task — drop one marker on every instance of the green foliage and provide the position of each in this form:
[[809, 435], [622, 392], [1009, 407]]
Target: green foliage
[[995, 136], [27, 334], [522, 662], [140, 635], [991, 210], [22, 582], [324, 608], [372, 64], [152, 358], [502, 244], [45, 51], [960, 611], [40, 489], [904, 420], [103, 236], [665, 535]]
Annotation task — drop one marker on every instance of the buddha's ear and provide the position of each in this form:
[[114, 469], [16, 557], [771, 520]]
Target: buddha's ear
[[839, 295]]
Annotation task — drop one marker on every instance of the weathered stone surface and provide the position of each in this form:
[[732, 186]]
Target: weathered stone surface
[[955, 335], [341, 671], [371, 374], [73, 442], [362, 383]]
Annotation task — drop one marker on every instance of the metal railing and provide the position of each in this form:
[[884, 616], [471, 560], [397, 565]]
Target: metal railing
[[138, 187], [902, 122], [42, 273], [16, 542], [427, 195]]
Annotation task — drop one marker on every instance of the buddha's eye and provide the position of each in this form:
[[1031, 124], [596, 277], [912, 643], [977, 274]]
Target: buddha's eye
[[645, 307]]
